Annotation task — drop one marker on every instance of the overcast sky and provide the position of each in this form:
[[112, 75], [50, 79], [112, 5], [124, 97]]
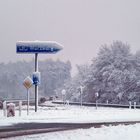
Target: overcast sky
[[81, 26]]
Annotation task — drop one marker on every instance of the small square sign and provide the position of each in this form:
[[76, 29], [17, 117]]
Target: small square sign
[[36, 78]]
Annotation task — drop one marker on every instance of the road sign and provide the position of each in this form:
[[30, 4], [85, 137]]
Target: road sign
[[63, 92], [27, 82], [36, 78], [96, 94], [38, 47]]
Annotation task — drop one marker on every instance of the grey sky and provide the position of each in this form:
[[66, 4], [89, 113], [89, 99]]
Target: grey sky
[[81, 26]]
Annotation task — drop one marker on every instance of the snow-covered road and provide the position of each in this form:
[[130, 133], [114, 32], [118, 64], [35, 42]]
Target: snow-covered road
[[121, 132]]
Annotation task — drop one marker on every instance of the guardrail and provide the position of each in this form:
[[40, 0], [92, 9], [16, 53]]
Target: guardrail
[[99, 104], [24, 102], [32, 102]]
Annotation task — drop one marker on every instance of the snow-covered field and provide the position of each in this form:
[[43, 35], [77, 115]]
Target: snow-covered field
[[121, 132], [72, 114], [76, 114]]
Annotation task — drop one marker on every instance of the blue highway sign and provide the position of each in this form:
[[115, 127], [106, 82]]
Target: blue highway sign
[[37, 47]]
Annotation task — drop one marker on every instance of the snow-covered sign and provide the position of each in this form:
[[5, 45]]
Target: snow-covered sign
[[36, 78], [37, 47], [27, 82], [63, 92], [96, 94]]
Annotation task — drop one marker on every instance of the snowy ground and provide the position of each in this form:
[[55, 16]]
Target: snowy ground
[[79, 114], [121, 132], [73, 114]]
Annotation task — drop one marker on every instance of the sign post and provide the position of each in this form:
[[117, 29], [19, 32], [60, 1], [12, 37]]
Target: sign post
[[63, 96], [36, 86], [4, 108], [96, 97], [36, 47], [28, 101], [27, 83], [20, 106], [81, 95]]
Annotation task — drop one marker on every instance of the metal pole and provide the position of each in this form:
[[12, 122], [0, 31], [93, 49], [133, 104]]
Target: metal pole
[[96, 97], [130, 104], [81, 95], [96, 103], [134, 105], [20, 106], [27, 101], [63, 99], [36, 86], [4, 108]]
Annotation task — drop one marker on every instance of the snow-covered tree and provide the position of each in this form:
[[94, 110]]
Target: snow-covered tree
[[53, 75], [72, 86], [114, 73]]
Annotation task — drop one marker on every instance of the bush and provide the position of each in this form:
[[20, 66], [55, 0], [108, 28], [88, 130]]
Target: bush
[[43, 100], [1, 105], [50, 98]]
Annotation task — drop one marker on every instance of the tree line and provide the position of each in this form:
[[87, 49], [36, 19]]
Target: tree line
[[12, 75]]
